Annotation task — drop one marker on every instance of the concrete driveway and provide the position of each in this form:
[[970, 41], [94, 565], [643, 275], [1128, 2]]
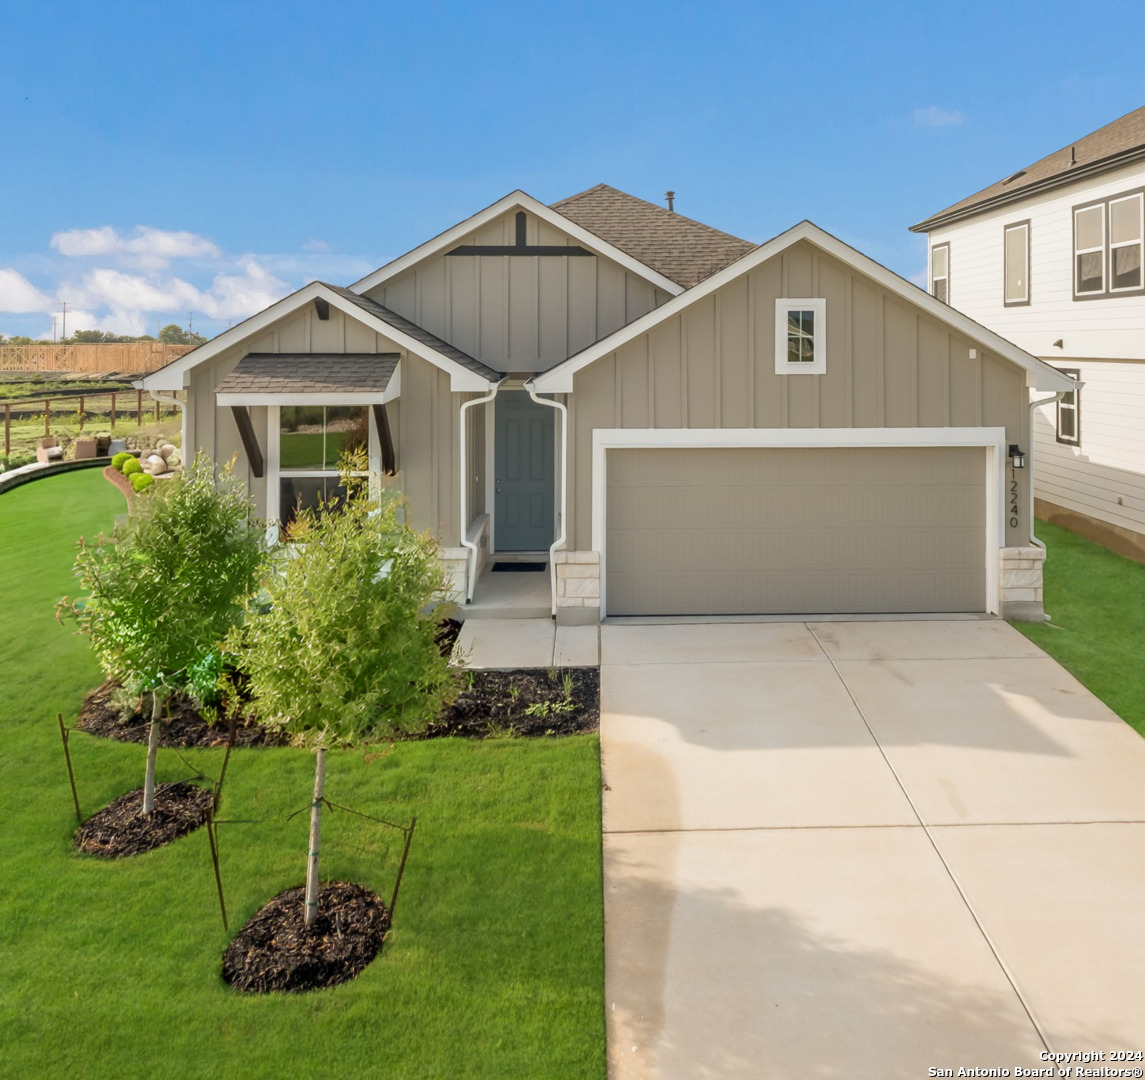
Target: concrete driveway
[[864, 849]]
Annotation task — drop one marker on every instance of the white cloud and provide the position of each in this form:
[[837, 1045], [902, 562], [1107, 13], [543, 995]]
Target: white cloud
[[150, 249], [237, 296], [18, 294], [933, 116], [317, 245]]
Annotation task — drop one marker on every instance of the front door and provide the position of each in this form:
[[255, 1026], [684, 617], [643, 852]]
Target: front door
[[524, 474]]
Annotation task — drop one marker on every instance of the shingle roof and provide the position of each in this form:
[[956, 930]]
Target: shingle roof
[[310, 373], [681, 249], [400, 322], [1100, 150]]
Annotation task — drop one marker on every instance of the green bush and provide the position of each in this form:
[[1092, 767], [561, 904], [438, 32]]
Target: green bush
[[131, 465], [141, 481], [121, 459]]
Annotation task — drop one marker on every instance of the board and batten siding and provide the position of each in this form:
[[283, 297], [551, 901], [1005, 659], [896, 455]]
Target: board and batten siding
[[712, 365], [519, 313], [1103, 327], [423, 420], [1104, 477]]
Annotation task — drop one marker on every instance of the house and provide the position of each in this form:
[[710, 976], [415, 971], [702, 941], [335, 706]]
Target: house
[[676, 421], [1051, 258]]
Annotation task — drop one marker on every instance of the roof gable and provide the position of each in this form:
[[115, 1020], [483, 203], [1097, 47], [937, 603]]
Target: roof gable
[[1041, 375], [516, 200], [1118, 143], [680, 248]]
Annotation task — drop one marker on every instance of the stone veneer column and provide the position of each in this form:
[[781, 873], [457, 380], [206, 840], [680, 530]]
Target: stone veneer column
[[1020, 581], [578, 587]]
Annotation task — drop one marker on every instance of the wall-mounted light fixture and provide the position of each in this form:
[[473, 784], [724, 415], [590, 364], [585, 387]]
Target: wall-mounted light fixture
[[1017, 458]]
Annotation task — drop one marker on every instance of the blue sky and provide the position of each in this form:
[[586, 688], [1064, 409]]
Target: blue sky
[[212, 157]]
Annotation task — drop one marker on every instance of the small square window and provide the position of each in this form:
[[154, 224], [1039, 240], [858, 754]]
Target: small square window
[[1069, 412], [800, 336], [940, 272]]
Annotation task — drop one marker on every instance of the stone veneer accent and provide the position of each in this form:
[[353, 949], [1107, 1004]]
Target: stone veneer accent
[[578, 587], [456, 563], [1020, 581]]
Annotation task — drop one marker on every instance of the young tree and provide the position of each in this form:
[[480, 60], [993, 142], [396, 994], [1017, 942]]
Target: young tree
[[163, 594], [345, 652]]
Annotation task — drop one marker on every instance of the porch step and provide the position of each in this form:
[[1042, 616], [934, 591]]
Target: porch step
[[494, 610]]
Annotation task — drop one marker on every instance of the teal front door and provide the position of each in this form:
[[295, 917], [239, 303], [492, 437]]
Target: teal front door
[[524, 474]]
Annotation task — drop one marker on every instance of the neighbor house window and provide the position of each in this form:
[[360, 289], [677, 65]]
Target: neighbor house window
[[800, 336], [1125, 237], [1089, 250], [940, 272], [1017, 263], [311, 441], [1069, 413]]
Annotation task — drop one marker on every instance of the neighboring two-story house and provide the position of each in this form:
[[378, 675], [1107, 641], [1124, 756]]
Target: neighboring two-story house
[[1051, 257], [669, 419]]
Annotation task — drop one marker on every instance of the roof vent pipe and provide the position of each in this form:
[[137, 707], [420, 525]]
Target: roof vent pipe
[[671, 197], [1073, 155]]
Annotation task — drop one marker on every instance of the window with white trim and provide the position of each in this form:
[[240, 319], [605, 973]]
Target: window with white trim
[[940, 272], [1069, 412], [1017, 264], [800, 336], [311, 440], [1125, 243], [1089, 250]]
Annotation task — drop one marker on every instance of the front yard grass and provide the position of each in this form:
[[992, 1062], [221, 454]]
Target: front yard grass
[[111, 969], [1096, 600]]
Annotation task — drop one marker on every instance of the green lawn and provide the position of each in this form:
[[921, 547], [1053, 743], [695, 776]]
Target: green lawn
[[495, 965], [1096, 600]]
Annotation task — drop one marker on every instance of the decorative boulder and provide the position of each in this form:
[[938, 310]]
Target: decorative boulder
[[166, 450], [154, 464]]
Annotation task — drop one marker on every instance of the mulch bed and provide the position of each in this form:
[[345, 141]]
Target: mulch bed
[[187, 728], [499, 702], [275, 951], [120, 828]]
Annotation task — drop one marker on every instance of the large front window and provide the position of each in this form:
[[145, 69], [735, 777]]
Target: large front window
[[311, 441]]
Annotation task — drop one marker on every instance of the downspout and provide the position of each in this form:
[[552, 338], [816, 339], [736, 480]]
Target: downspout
[[559, 542], [463, 524]]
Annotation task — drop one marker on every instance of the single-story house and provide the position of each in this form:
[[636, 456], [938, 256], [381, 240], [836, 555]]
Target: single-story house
[[678, 421]]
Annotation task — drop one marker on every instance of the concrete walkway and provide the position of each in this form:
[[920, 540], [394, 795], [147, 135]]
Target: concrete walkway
[[508, 644], [864, 850]]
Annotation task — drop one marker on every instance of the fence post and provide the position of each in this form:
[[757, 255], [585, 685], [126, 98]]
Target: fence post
[[139, 408], [47, 418], [7, 429], [81, 412], [158, 406], [113, 410]]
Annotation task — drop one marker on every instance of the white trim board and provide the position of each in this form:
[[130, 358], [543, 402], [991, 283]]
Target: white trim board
[[1040, 375], [515, 200], [174, 375], [992, 439]]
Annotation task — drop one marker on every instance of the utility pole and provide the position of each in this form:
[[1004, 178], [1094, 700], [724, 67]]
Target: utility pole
[[190, 322], [64, 326], [55, 323]]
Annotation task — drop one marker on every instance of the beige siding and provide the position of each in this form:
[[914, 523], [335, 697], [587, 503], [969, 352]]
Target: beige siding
[[780, 530], [519, 313], [713, 366]]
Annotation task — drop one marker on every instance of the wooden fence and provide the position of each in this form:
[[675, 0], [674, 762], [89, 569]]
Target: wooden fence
[[134, 356], [116, 407]]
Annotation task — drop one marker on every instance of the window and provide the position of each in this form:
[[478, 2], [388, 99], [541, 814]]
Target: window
[[1069, 413], [1017, 259], [1125, 235], [1089, 250], [800, 336], [311, 439], [940, 272], [1109, 247]]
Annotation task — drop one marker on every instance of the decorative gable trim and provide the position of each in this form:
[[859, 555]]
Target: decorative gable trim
[[446, 242], [1041, 376]]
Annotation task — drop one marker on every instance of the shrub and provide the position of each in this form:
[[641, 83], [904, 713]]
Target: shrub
[[141, 481], [131, 465], [121, 459]]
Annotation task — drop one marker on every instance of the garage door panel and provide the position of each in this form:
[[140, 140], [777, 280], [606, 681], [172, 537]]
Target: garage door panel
[[758, 530]]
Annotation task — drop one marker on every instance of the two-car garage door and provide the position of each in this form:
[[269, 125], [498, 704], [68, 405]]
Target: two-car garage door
[[759, 530]]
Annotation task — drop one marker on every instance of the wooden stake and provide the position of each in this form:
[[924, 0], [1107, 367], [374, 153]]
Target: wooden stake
[[215, 861], [315, 835], [139, 408], [71, 774], [152, 754], [402, 868]]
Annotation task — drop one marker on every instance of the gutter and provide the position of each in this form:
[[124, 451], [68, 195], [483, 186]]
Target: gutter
[[463, 525], [559, 542], [1078, 172]]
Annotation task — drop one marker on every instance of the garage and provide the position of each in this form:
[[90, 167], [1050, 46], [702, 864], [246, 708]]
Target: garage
[[795, 530]]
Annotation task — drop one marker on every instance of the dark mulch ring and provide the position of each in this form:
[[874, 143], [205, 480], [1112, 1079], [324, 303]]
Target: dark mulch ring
[[275, 951], [528, 702], [98, 716], [121, 828]]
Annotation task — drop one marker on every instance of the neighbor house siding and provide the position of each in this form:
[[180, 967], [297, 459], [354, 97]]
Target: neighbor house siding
[[519, 312], [713, 366]]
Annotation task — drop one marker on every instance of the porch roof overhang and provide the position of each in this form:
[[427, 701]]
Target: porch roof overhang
[[312, 379]]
